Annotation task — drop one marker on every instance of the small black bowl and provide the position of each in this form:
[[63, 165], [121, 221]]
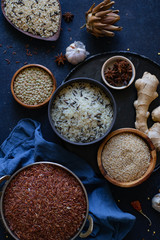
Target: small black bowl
[[95, 83]]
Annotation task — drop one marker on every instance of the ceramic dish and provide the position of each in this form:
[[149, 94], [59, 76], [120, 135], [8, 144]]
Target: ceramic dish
[[82, 111], [40, 88], [54, 37], [126, 74], [51, 171], [126, 162]]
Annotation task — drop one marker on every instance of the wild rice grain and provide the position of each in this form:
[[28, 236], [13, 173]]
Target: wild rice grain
[[82, 112], [126, 157], [39, 17]]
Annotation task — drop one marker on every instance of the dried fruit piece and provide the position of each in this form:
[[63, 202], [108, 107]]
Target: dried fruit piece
[[137, 206], [100, 19]]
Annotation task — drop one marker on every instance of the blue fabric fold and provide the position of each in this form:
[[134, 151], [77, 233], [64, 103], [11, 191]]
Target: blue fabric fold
[[26, 145]]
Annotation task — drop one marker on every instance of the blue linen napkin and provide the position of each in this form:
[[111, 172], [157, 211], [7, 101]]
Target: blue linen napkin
[[26, 145]]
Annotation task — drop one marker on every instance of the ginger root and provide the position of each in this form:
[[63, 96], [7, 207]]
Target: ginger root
[[147, 92], [154, 135], [156, 114]]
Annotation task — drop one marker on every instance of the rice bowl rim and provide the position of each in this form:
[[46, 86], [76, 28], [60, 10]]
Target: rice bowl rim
[[95, 83]]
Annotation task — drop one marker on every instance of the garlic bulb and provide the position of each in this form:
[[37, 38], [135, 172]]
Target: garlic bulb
[[76, 52], [156, 202]]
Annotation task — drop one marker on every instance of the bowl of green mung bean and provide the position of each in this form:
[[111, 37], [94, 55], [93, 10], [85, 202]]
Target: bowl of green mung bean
[[33, 85]]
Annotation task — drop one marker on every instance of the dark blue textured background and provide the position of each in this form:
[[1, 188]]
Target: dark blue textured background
[[140, 34]]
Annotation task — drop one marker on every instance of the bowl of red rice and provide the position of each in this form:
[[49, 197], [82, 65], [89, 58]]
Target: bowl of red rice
[[45, 200]]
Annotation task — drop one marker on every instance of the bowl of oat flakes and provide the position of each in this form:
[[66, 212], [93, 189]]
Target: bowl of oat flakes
[[33, 85], [126, 157], [82, 111]]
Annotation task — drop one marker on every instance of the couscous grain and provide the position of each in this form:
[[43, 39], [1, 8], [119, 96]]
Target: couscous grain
[[126, 157]]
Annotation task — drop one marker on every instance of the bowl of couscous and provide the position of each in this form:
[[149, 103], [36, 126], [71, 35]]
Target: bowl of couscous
[[126, 157], [33, 85], [82, 111]]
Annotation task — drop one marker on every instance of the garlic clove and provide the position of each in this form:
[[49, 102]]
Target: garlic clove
[[156, 202]]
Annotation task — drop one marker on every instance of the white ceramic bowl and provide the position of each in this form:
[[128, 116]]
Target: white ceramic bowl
[[109, 64]]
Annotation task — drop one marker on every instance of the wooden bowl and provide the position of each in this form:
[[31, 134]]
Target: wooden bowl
[[145, 175], [46, 100], [52, 38], [109, 64]]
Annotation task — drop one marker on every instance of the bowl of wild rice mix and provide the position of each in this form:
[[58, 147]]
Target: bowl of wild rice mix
[[33, 85], [126, 157], [45, 201], [82, 111], [39, 19]]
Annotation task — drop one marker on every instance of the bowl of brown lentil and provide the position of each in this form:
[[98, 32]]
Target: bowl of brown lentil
[[45, 200], [118, 72], [126, 157], [33, 85]]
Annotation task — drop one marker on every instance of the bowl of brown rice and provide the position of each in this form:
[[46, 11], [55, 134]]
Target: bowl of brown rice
[[82, 111], [126, 157], [33, 85], [45, 200]]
